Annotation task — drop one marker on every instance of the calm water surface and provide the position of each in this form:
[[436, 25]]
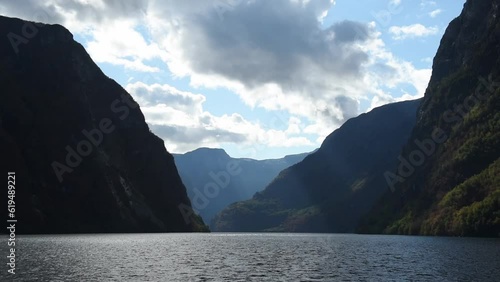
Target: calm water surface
[[252, 257]]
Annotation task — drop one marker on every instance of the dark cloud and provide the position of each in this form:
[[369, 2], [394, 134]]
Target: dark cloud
[[278, 41], [350, 32], [338, 110], [348, 106]]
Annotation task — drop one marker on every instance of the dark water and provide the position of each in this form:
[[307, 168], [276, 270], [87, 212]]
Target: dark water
[[253, 257]]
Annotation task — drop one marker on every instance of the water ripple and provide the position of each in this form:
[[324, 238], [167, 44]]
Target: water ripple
[[253, 257]]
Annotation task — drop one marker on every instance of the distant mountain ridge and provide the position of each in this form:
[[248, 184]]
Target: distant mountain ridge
[[84, 158], [214, 179], [333, 187]]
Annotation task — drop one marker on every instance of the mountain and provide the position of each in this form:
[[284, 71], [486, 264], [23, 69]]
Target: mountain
[[452, 185], [83, 156], [214, 180], [330, 189]]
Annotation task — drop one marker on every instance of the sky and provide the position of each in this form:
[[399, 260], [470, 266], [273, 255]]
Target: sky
[[259, 78]]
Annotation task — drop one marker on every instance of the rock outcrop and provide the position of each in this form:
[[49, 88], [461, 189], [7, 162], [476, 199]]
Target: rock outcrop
[[83, 155]]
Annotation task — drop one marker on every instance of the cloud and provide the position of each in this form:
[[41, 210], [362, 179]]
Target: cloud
[[427, 60], [119, 43], [435, 13], [412, 31], [77, 15], [427, 3], [266, 42], [110, 25], [164, 94], [178, 118], [276, 55]]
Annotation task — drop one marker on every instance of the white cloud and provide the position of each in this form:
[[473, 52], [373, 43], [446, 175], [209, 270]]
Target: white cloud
[[110, 25], [178, 118], [412, 31], [435, 13], [273, 54], [119, 43], [427, 60], [389, 72], [427, 3], [321, 75]]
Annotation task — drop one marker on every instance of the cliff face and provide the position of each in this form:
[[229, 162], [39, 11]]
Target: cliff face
[[214, 179], [455, 189], [330, 189], [84, 158]]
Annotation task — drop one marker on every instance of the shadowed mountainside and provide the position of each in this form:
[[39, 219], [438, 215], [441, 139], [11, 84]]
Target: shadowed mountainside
[[330, 189], [84, 158]]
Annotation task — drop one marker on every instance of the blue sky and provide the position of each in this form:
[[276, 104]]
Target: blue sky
[[261, 79]]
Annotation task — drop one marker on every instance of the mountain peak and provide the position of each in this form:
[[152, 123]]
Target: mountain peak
[[209, 152]]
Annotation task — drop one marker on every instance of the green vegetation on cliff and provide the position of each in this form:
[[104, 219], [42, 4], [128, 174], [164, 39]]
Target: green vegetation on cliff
[[456, 191]]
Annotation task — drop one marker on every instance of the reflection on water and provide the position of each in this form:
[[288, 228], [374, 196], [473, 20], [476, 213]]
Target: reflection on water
[[252, 257]]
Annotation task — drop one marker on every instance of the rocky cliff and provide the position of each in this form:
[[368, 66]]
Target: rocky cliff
[[83, 156], [451, 182]]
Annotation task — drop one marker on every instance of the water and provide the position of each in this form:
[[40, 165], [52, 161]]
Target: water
[[252, 257]]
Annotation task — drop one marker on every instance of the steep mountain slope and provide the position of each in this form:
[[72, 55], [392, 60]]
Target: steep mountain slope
[[212, 171], [455, 190], [83, 156], [330, 189]]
